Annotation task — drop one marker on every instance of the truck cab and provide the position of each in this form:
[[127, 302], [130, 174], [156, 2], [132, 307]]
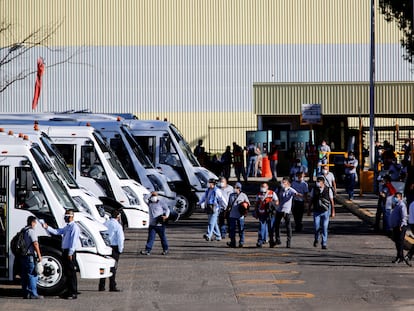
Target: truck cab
[[168, 150], [29, 186]]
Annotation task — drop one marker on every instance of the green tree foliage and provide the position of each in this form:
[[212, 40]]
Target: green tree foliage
[[401, 11]]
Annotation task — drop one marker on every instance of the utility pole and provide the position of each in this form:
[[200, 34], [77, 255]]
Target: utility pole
[[372, 89]]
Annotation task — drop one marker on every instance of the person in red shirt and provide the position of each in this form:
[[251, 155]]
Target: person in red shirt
[[274, 158]]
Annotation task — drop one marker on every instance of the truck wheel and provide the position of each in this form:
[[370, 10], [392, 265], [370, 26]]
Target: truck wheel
[[52, 280], [183, 207]]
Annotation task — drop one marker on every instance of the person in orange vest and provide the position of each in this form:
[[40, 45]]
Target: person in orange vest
[[266, 201]]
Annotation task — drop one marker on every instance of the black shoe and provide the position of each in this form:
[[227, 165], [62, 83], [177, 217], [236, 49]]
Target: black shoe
[[101, 289], [278, 242], [145, 252], [397, 260], [229, 244], [240, 245], [258, 244], [315, 243], [272, 244], [324, 247], [70, 297], [165, 252], [115, 290], [288, 245], [35, 297]]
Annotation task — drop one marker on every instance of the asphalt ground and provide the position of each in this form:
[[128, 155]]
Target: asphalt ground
[[354, 273]]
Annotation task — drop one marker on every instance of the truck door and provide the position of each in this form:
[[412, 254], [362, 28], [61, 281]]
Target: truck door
[[4, 182]]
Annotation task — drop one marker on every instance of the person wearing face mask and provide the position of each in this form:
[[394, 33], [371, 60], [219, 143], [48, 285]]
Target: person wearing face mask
[[298, 208], [398, 221], [226, 190], [297, 168], [70, 242], [237, 201], [283, 211], [158, 215], [266, 201], [330, 181], [351, 164]]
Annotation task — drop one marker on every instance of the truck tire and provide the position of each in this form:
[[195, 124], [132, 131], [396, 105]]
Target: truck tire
[[52, 280], [184, 207]]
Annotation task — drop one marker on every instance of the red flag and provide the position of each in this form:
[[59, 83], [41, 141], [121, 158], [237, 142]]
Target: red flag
[[38, 84]]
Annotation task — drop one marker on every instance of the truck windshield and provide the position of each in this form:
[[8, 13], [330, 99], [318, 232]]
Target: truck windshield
[[185, 148], [52, 179], [58, 161], [110, 156], [139, 153]]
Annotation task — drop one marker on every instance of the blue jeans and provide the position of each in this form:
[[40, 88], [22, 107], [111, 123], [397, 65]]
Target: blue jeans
[[265, 226], [251, 166], [160, 230], [321, 222], [29, 276], [213, 227], [350, 185], [239, 222]]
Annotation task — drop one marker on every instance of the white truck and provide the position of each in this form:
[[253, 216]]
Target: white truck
[[169, 151], [29, 186], [94, 165], [84, 199]]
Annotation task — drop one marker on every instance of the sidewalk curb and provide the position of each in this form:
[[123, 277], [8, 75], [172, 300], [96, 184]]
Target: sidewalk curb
[[367, 216]]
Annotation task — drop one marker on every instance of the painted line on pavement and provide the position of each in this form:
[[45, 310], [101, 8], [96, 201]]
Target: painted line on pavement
[[265, 271], [259, 281], [262, 264], [288, 295]]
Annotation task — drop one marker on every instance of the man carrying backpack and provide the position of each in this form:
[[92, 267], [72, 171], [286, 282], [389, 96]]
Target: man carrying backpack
[[28, 261]]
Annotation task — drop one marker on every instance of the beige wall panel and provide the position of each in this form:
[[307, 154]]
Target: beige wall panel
[[198, 22], [216, 129], [344, 98]]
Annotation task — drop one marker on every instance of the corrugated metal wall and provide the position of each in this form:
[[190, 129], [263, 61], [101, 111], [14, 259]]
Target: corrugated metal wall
[[194, 59], [336, 98]]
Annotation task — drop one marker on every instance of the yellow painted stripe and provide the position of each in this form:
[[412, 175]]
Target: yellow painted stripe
[[258, 255], [259, 281], [295, 295], [264, 271], [263, 264]]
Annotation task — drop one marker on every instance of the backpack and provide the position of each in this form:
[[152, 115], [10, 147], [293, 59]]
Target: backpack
[[18, 244]]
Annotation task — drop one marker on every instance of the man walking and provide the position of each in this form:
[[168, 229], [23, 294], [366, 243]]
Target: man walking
[[158, 215], [28, 261], [70, 242], [116, 238], [323, 206], [238, 205], [398, 221]]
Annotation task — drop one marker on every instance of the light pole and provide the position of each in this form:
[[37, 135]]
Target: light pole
[[372, 89]]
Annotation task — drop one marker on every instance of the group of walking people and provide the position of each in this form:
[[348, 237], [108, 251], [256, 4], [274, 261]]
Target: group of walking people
[[227, 207]]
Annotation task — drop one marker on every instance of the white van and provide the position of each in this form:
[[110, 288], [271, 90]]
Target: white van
[[94, 165], [169, 151], [84, 199], [29, 186]]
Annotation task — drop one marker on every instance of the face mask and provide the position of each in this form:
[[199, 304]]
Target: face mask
[[324, 171], [220, 185], [67, 218], [297, 164], [395, 200], [301, 179], [263, 190], [154, 199], [351, 157]]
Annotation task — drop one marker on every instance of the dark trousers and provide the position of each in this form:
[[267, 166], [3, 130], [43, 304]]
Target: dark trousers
[[298, 209], [69, 267], [398, 235], [278, 219], [112, 283], [222, 222]]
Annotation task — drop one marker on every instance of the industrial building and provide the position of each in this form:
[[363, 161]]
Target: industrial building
[[216, 69]]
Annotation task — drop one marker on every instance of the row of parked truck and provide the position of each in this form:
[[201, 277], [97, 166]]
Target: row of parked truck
[[91, 163]]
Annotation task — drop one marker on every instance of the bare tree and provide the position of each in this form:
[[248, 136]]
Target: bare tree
[[11, 53]]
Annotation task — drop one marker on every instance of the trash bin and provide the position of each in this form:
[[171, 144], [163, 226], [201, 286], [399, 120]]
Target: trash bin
[[367, 181], [266, 167]]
